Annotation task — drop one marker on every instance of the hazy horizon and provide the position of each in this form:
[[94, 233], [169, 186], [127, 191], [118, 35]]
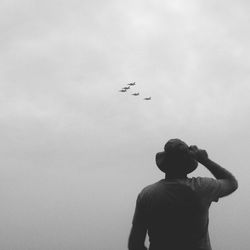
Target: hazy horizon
[[76, 151]]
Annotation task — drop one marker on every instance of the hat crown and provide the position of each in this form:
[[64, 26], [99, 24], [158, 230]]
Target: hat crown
[[176, 146], [175, 156]]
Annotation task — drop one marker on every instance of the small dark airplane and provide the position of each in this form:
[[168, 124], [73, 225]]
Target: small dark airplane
[[126, 88], [131, 84], [147, 98], [135, 94], [123, 90]]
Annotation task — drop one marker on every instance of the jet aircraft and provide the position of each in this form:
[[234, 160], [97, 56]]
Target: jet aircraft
[[131, 84], [126, 88]]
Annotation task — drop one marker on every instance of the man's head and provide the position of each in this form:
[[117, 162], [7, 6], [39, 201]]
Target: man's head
[[176, 160]]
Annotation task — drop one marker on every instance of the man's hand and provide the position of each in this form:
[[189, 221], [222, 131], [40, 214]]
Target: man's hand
[[198, 154]]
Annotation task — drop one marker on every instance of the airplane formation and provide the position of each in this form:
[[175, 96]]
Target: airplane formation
[[125, 89]]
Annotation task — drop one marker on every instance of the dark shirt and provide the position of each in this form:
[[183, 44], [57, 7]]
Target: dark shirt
[[175, 213]]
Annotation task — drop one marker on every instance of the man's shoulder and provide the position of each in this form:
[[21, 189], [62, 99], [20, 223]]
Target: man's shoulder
[[207, 187], [201, 181], [151, 187], [194, 183]]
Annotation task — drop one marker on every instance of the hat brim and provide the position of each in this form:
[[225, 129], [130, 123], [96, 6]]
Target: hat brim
[[162, 163], [160, 159]]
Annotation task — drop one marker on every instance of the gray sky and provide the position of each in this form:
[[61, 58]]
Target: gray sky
[[75, 151]]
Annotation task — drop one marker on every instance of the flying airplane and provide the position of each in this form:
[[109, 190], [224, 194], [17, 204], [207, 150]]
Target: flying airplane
[[126, 88], [123, 90], [131, 84], [135, 94], [147, 98]]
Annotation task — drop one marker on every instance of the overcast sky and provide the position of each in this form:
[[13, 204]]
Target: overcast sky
[[76, 152]]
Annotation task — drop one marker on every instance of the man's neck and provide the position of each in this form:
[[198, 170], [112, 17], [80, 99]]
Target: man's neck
[[169, 177]]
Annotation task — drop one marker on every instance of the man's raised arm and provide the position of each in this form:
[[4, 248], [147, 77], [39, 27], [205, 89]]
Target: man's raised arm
[[228, 182]]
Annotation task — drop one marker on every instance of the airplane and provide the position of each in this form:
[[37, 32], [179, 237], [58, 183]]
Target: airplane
[[123, 90], [131, 84], [147, 98], [135, 94], [126, 88]]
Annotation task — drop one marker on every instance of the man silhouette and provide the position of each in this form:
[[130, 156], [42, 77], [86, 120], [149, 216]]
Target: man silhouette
[[174, 210]]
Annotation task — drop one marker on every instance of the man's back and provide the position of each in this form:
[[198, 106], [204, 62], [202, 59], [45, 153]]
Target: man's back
[[175, 215]]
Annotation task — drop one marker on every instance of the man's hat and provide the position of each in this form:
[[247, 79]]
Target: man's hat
[[175, 154]]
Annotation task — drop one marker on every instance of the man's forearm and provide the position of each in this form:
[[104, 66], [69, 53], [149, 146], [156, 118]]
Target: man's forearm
[[218, 171]]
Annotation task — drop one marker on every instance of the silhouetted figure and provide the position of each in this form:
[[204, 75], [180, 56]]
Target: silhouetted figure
[[174, 210]]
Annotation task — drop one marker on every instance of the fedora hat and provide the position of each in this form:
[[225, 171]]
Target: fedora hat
[[175, 157]]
